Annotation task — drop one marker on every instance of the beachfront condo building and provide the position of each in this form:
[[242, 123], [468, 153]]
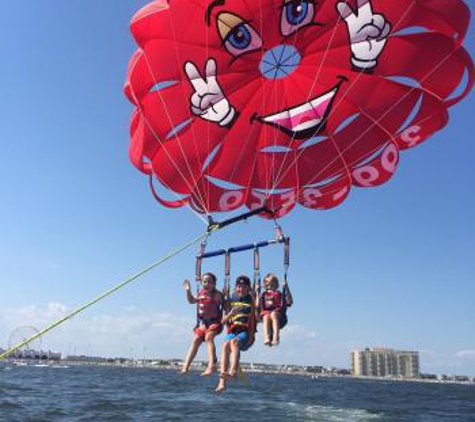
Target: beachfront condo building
[[382, 362]]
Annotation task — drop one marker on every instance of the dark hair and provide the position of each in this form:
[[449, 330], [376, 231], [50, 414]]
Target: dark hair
[[211, 275], [243, 280]]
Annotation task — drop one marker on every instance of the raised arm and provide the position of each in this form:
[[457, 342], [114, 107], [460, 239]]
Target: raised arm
[[189, 296]]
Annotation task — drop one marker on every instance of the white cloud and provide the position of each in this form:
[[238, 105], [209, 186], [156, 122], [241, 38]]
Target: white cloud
[[138, 333], [131, 332], [31, 315], [297, 331], [466, 354]]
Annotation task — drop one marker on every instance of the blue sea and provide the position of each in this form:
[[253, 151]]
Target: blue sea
[[96, 394]]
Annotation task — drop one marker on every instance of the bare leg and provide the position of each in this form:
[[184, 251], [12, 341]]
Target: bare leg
[[266, 322], [224, 367], [235, 353], [195, 345], [211, 369], [275, 327]]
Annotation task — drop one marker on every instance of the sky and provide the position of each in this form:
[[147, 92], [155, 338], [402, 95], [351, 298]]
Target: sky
[[392, 267]]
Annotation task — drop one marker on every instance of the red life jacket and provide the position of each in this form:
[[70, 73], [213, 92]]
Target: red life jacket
[[208, 307], [271, 300]]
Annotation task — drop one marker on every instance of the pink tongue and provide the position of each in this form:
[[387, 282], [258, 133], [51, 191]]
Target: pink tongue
[[311, 114]]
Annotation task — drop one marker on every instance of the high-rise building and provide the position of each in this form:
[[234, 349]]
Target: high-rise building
[[382, 362]]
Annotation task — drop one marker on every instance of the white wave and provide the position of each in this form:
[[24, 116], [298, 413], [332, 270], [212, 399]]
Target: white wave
[[334, 414]]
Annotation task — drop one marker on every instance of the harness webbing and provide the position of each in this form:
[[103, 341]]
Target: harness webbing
[[286, 256], [112, 290], [199, 262], [227, 273], [257, 271]]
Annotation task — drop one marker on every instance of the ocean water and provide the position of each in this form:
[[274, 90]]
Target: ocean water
[[96, 394]]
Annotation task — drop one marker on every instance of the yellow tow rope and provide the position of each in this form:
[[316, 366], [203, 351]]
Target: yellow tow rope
[[243, 377], [13, 349]]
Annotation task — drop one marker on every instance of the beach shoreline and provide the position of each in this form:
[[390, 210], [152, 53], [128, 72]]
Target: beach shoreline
[[284, 370]]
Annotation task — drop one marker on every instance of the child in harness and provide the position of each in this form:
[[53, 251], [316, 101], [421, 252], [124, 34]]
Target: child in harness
[[241, 328], [209, 303], [273, 305]]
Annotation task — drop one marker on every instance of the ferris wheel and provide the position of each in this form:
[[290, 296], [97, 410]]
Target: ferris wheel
[[22, 334]]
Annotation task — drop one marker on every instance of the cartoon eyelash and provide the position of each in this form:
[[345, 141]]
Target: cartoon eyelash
[[296, 14], [238, 35], [226, 22]]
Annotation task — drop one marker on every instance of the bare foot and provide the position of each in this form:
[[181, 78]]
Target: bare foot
[[209, 371], [267, 342], [220, 389], [275, 343], [232, 374], [221, 384]]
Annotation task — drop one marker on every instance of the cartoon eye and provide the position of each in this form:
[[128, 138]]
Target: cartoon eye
[[238, 36], [296, 14]]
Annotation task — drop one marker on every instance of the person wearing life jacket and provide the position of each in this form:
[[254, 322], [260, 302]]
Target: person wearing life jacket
[[273, 304], [209, 304], [241, 328]]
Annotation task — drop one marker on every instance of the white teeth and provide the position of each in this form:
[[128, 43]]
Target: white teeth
[[279, 116], [306, 125], [300, 109], [288, 114], [317, 101]]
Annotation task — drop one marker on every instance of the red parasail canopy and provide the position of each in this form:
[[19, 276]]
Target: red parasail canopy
[[278, 102]]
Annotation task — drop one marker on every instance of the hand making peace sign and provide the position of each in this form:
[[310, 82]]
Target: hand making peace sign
[[368, 32], [208, 100]]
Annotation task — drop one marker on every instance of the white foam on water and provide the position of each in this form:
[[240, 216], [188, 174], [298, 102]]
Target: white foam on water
[[334, 414]]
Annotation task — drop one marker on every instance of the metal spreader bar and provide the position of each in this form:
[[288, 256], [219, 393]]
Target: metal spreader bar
[[243, 248], [216, 225]]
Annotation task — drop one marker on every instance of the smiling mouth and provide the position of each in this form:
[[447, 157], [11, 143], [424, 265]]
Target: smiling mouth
[[305, 120]]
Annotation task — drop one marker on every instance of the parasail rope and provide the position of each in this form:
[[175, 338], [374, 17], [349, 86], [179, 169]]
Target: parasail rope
[[139, 107], [376, 122], [199, 195], [280, 176], [170, 120], [112, 290]]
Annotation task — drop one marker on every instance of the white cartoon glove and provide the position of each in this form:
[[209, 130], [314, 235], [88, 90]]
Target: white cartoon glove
[[208, 100], [368, 33]]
